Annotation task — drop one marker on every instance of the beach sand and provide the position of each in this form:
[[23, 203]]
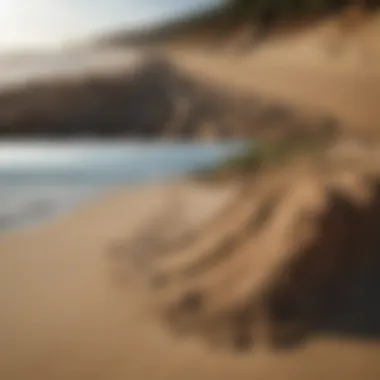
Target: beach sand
[[63, 317]]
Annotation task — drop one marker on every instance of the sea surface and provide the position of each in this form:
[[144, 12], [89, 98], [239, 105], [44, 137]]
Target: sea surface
[[41, 180]]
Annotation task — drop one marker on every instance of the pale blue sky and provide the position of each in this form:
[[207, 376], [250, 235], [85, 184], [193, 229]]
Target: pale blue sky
[[36, 23]]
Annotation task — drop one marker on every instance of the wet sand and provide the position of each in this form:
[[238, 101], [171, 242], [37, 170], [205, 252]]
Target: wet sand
[[63, 317]]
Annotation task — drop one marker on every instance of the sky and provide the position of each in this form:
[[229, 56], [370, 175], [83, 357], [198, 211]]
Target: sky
[[42, 23]]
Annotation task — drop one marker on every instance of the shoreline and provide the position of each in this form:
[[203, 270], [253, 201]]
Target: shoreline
[[97, 196], [40, 182], [101, 195]]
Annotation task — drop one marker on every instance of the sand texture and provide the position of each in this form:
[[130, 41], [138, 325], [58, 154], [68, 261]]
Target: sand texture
[[80, 298]]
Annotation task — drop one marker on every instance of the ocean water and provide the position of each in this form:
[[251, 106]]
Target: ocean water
[[42, 180]]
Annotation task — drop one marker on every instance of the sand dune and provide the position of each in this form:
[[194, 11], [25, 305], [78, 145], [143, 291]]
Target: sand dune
[[301, 70]]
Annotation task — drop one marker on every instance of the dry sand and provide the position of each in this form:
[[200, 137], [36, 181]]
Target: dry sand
[[63, 317], [302, 71]]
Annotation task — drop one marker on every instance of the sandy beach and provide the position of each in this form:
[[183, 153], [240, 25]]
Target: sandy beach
[[63, 317], [63, 312]]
